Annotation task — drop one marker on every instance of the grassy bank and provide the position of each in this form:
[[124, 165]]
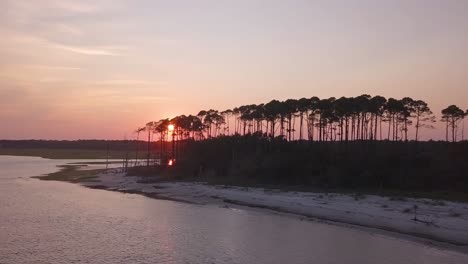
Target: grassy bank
[[71, 173], [51, 153]]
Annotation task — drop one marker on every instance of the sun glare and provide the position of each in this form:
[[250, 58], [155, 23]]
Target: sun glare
[[170, 127]]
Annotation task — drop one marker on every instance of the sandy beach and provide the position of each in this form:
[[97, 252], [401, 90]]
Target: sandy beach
[[438, 221]]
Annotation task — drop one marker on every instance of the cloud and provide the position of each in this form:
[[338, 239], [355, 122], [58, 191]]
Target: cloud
[[97, 51], [128, 82], [153, 98], [32, 8], [49, 67], [56, 24], [16, 38]]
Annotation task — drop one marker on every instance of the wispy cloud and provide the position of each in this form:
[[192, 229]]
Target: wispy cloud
[[50, 23], [31, 39], [124, 96], [22, 7], [49, 67], [27, 13], [98, 51], [127, 82], [154, 98]]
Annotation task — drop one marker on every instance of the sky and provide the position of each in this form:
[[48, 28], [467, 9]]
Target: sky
[[101, 68]]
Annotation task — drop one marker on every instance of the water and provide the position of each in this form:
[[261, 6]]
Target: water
[[56, 222]]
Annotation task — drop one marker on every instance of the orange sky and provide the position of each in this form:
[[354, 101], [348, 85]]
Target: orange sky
[[98, 69]]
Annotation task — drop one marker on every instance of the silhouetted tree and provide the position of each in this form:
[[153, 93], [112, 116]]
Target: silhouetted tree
[[302, 107], [452, 115], [377, 109], [406, 112], [313, 111], [161, 127], [138, 131], [423, 115], [341, 110], [226, 114], [343, 119], [149, 128], [392, 109], [272, 112], [463, 125], [290, 108]]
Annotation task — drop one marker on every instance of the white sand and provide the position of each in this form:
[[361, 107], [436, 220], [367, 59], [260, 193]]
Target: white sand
[[445, 221]]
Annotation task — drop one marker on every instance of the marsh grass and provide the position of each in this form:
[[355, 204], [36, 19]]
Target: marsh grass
[[71, 173]]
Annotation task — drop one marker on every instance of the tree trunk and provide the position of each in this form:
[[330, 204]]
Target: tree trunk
[[149, 148], [463, 129], [320, 128], [273, 128], [137, 148], [446, 131], [417, 127], [376, 122], [358, 130], [389, 126], [453, 129], [300, 125], [406, 130]]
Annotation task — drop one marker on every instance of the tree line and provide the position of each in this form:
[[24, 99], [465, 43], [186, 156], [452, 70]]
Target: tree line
[[291, 142], [344, 119]]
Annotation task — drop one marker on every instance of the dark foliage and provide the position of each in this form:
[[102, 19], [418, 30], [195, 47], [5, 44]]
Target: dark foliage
[[418, 166]]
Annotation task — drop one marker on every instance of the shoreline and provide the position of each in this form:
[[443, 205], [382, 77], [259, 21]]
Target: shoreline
[[440, 223]]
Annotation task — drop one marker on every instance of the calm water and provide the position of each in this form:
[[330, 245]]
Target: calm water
[[55, 222]]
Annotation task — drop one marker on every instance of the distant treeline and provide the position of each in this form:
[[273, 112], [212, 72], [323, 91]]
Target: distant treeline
[[72, 144]]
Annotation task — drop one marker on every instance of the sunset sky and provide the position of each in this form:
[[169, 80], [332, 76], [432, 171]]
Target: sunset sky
[[101, 68]]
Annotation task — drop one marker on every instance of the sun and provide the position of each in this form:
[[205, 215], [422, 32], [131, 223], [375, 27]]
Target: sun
[[170, 127]]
